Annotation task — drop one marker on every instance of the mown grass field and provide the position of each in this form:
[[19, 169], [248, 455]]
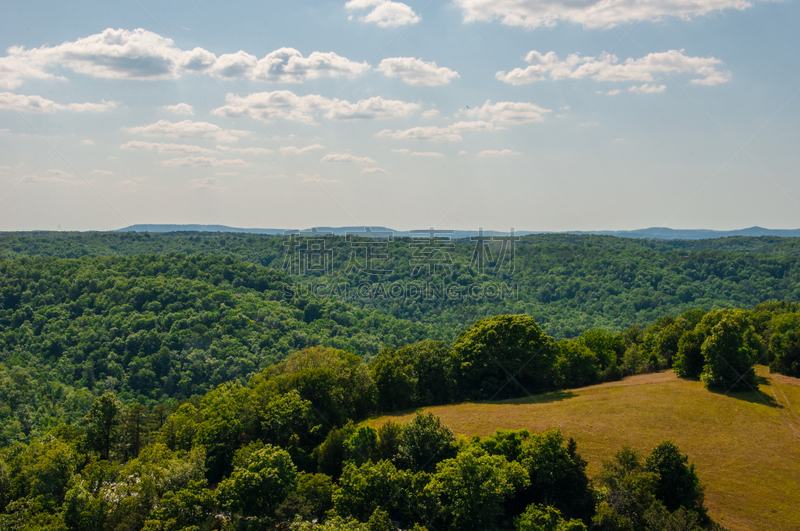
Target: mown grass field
[[746, 446]]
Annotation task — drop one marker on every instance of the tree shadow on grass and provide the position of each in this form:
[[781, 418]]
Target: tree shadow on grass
[[546, 398], [755, 397]]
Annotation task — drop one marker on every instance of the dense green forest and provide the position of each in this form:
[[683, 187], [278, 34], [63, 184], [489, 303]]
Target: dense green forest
[[283, 452], [179, 381], [569, 283]]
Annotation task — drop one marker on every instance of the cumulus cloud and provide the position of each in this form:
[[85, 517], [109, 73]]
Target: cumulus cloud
[[346, 157], [165, 147], [306, 178], [88, 142], [205, 183], [187, 129], [285, 104], [450, 133], [245, 151], [287, 65], [417, 72], [608, 68], [497, 153], [203, 161], [591, 13], [293, 150], [432, 113], [508, 112], [374, 170], [406, 151], [180, 108], [57, 177], [102, 172], [144, 55], [385, 13], [40, 105], [647, 88]]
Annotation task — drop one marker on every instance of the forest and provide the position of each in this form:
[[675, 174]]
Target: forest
[[163, 386]]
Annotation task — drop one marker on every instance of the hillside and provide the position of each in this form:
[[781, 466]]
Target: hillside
[[154, 328], [569, 283], [746, 446]]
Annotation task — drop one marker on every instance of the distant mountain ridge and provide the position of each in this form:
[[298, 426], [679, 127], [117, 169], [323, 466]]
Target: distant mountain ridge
[[658, 233]]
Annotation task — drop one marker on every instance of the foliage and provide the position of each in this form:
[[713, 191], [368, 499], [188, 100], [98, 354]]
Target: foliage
[[424, 442], [543, 518], [730, 353], [472, 487], [260, 485], [504, 356]]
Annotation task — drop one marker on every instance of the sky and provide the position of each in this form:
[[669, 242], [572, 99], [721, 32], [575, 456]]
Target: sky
[[548, 115]]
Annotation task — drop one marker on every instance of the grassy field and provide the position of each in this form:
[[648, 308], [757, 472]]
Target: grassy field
[[746, 446]]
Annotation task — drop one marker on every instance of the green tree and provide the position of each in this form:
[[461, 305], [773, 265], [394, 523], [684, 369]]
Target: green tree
[[627, 493], [678, 484], [729, 354], [311, 498], [258, 488], [389, 437], [784, 344], [543, 518], [689, 360], [557, 475], [504, 356], [576, 364], [425, 442], [472, 487], [102, 424], [363, 489]]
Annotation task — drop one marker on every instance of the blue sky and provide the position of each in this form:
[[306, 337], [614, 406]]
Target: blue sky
[[533, 114]]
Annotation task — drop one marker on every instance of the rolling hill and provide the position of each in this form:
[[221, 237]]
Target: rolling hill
[[746, 446]]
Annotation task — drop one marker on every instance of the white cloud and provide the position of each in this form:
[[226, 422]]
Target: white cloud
[[374, 170], [285, 104], [346, 157], [608, 68], [102, 172], [508, 112], [613, 92], [462, 152], [375, 108], [306, 178], [180, 108], [590, 13], [188, 129], [287, 65], [588, 124], [205, 183], [497, 153], [450, 133], [203, 161], [417, 72], [406, 151], [234, 65], [88, 142], [647, 88], [432, 113], [57, 177], [386, 14], [165, 147], [245, 151], [130, 183], [38, 104], [144, 55], [293, 150]]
